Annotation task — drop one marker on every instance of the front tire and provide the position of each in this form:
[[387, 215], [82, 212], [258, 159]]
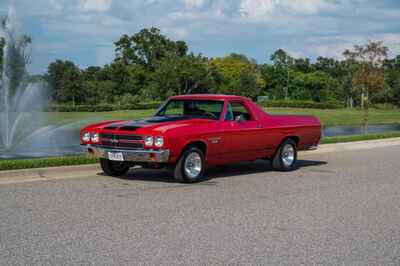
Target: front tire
[[191, 166], [285, 158], [112, 168]]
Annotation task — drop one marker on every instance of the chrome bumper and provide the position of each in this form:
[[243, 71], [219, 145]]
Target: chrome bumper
[[141, 156]]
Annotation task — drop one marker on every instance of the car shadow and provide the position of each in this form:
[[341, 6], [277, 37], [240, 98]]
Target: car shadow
[[238, 169], [259, 166]]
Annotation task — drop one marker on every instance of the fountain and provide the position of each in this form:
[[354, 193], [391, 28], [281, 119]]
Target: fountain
[[24, 130]]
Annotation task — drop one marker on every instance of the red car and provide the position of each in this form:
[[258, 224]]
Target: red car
[[190, 132]]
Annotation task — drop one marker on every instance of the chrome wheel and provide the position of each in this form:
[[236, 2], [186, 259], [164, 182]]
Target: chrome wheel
[[288, 155], [193, 165]]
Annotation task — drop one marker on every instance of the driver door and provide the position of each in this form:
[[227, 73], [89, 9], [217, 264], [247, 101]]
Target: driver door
[[243, 133]]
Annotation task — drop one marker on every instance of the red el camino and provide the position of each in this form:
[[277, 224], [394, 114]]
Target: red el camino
[[190, 132]]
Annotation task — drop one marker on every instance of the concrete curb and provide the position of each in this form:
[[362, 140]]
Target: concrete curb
[[51, 173], [66, 172], [356, 145]]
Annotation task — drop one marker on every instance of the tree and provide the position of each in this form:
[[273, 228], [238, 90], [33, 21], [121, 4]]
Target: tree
[[147, 47], [98, 91], [341, 72], [369, 76], [165, 78], [243, 58], [282, 62], [274, 86], [328, 65], [65, 81], [302, 65], [195, 74], [237, 75], [392, 79], [317, 86], [91, 73], [150, 66], [182, 75], [281, 59], [144, 61]]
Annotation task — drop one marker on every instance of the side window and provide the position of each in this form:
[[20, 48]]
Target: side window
[[236, 109]]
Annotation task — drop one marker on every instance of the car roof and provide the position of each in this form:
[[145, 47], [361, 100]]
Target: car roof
[[219, 97]]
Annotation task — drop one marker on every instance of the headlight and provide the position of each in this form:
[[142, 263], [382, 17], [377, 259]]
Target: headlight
[[86, 137], [159, 141], [95, 137], [148, 141]]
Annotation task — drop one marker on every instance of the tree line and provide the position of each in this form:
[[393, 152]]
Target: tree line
[[148, 66]]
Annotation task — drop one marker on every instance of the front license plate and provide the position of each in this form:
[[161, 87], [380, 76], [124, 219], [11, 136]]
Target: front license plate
[[116, 156]]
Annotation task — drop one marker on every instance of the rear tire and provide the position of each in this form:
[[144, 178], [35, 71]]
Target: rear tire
[[191, 166], [285, 158], [112, 168]]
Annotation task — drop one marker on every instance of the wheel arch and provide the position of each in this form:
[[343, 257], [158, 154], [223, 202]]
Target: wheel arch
[[202, 145], [295, 138], [178, 166]]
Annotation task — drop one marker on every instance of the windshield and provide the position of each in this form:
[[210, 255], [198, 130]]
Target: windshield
[[194, 108]]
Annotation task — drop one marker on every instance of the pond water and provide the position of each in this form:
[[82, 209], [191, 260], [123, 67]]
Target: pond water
[[68, 141], [335, 131]]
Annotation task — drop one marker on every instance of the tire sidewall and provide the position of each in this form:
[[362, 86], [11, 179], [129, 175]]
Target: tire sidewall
[[293, 165], [278, 163], [188, 151]]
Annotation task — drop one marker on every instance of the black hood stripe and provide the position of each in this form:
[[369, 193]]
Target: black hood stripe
[[136, 124]]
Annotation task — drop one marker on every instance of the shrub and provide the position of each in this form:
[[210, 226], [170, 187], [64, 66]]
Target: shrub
[[302, 104], [101, 107], [383, 106]]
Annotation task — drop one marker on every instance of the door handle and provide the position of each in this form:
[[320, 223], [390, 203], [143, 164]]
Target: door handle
[[260, 126]]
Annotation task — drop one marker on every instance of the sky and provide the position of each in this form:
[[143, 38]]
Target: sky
[[84, 30]]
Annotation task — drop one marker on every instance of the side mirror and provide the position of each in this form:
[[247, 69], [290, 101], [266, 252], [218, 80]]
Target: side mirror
[[239, 118]]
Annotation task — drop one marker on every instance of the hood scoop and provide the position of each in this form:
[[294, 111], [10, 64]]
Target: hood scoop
[[123, 127], [128, 128], [111, 127]]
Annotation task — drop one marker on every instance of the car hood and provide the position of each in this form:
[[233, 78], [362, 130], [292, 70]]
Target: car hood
[[159, 124]]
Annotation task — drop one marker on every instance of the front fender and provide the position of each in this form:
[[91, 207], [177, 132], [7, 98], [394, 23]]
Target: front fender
[[178, 145]]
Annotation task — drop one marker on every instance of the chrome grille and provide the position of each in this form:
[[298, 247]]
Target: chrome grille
[[121, 141]]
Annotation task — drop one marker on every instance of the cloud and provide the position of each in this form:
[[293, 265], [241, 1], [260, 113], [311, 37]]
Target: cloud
[[334, 46], [194, 3], [95, 5], [57, 5], [177, 33], [84, 30], [268, 10], [308, 7], [256, 8]]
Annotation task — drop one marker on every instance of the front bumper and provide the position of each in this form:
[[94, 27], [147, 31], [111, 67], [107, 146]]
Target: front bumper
[[140, 156]]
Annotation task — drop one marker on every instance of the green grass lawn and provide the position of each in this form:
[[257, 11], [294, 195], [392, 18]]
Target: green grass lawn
[[327, 117]]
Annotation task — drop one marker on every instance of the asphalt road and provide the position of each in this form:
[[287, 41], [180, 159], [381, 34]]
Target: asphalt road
[[338, 208]]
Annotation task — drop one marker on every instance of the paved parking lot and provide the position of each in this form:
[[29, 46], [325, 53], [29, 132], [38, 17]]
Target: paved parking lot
[[338, 208]]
